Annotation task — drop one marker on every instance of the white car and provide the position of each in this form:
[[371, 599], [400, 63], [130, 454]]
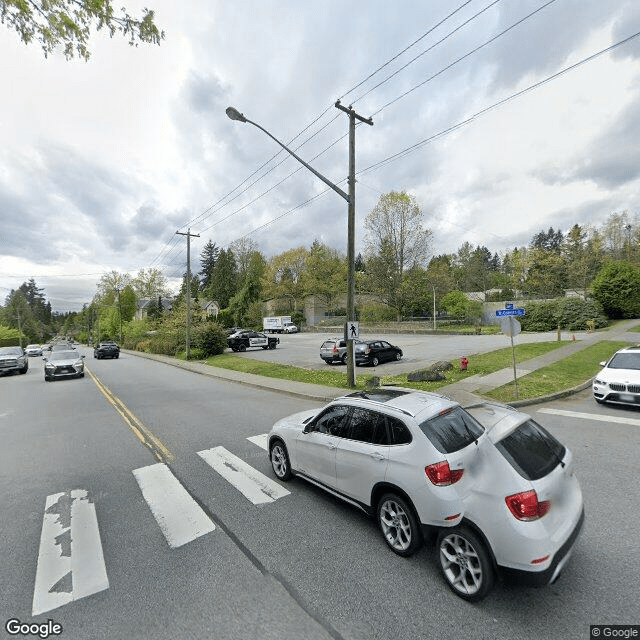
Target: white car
[[619, 380], [33, 350], [493, 488]]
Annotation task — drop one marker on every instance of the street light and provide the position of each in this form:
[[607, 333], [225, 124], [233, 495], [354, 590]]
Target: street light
[[234, 114]]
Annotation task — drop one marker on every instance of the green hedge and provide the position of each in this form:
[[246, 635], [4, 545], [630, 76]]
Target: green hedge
[[573, 314]]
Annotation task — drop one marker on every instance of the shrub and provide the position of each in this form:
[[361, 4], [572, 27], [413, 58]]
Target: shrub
[[209, 338], [617, 288], [572, 314]]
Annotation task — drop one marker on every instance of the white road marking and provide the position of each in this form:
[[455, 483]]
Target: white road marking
[[591, 416], [260, 440], [254, 485], [178, 515], [70, 561]]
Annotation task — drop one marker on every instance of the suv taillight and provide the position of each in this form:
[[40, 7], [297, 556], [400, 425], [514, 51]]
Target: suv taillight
[[335, 348], [525, 506], [441, 474]]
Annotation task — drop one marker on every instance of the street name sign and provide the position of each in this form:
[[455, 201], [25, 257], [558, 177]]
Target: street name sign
[[509, 312]]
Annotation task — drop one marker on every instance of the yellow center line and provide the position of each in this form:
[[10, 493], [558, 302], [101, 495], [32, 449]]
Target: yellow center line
[[140, 430]]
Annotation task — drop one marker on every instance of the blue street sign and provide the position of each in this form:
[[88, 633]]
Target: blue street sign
[[510, 312]]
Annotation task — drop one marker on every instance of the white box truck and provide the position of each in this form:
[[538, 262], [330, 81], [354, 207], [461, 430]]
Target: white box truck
[[278, 324]]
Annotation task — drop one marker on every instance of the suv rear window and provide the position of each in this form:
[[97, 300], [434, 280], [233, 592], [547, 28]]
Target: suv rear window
[[452, 430], [532, 450]]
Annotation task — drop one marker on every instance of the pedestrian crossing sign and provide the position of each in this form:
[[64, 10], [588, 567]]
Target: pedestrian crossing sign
[[351, 330]]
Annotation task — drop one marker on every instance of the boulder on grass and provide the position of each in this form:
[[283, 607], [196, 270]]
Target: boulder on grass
[[426, 375]]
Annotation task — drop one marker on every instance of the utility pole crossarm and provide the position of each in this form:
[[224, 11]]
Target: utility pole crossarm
[[351, 112]]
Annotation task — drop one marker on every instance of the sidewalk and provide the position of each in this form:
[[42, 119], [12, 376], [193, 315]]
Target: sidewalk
[[467, 391], [475, 386]]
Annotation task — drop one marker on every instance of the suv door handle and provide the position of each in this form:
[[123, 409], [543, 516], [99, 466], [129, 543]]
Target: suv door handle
[[331, 445], [377, 455]]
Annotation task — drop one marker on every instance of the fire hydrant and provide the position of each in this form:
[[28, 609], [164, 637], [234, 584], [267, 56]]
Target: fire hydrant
[[463, 363]]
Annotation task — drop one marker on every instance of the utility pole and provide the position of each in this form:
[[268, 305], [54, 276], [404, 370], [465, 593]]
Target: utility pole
[[351, 234], [189, 236], [120, 312], [350, 197]]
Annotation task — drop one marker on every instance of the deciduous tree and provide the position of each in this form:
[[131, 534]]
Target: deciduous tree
[[67, 24]]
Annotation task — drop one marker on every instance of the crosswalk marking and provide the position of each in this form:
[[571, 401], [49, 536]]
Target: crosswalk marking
[[592, 416], [176, 512], [70, 561], [260, 440], [254, 485]]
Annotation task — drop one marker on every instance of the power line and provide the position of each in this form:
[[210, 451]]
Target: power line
[[433, 46], [204, 215], [466, 55], [410, 149]]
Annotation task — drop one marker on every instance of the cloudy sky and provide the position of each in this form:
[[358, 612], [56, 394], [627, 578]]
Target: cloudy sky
[[101, 162]]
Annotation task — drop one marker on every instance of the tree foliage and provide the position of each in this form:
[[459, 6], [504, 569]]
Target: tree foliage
[[617, 289], [396, 240], [67, 24]]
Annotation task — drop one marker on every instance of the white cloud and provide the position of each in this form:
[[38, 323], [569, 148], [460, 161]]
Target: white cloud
[[101, 162]]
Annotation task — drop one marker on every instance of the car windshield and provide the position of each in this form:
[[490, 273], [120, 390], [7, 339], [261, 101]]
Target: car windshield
[[64, 355], [625, 361], [10, 351]]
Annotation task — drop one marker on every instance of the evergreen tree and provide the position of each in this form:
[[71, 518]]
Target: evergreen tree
[[208, 259]]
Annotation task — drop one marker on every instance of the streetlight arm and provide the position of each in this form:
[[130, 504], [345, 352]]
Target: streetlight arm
[[234, 114]]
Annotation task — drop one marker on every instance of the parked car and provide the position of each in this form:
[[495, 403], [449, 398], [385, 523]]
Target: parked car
[[375, 351], [63, 364], [619, 380], [13, 359], [243, 340], [107, 349], [492, 487], [33, 350], [334, 350]]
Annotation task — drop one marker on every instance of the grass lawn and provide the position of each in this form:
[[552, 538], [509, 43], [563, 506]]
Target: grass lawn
[[566, 374], [336, 376]]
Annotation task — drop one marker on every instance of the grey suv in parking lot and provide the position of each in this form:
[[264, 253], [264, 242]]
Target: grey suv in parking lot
[[334, 350]]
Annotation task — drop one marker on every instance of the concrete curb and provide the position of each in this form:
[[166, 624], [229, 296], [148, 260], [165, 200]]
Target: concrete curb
[[279, 385], [552, 396], [320, 393]]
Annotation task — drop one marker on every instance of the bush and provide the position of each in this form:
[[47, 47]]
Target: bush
[[572, 314], [209, 338], [377, 313], [617, 288]]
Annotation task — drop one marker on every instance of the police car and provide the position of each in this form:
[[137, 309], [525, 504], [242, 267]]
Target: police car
[[243, 340]]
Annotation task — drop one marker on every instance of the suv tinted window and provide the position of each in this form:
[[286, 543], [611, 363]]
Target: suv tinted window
[[333, 421], [398, 432], [532, 451], [368, 426], [452, 431]]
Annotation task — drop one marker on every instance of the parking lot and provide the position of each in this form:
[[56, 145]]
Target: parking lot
[[420, 351]]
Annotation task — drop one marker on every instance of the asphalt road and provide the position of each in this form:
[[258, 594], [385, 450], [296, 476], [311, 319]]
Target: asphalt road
[[304, 565]]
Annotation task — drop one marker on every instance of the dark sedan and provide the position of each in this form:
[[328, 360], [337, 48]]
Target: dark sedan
[[375, 351], [107, 349], [63, 364]]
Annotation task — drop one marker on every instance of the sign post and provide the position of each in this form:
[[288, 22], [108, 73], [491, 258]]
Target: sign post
[[511, 327]]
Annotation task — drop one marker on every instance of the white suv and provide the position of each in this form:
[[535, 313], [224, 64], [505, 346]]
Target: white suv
[[493, 487]]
